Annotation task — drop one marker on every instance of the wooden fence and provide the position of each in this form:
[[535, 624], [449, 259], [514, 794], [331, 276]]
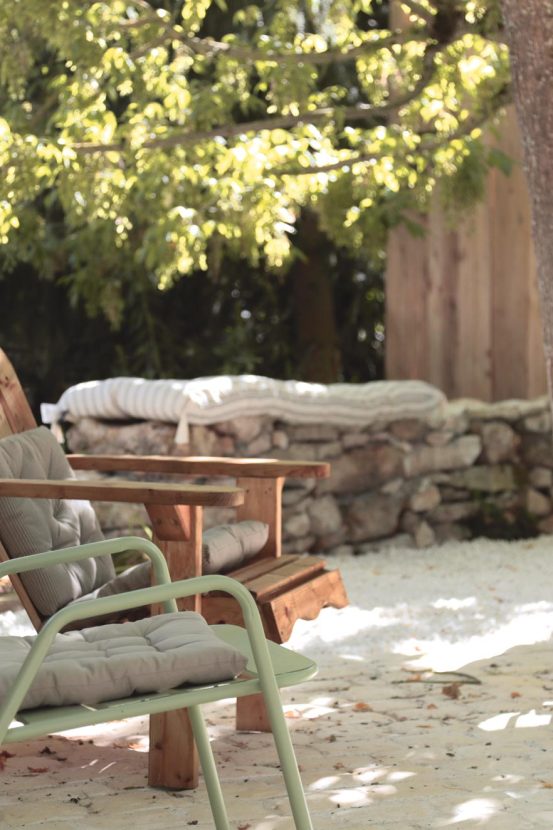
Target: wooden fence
[[461, 303]]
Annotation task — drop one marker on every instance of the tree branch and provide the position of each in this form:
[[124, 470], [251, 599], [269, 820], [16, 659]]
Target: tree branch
[[499, 102], [361, 112]]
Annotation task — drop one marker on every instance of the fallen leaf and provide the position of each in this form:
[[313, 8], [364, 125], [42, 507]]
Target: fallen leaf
[[338, 765], [431, 706], [515, 694], [292, 713], [362, 707], [547, 785], [451, 691], [37, 769]]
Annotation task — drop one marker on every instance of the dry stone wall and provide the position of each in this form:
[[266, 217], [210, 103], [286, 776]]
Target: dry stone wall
[[473, 469]]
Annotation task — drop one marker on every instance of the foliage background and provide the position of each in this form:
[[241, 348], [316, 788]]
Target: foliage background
[[199, 187]]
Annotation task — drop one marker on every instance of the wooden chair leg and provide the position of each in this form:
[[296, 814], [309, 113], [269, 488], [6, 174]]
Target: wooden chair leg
[[251, 714], [173, 759]]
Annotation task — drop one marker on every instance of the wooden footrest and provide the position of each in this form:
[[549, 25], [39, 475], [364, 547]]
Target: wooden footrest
[[285, 589]]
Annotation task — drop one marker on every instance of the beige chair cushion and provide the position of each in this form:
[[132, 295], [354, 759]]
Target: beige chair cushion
[[113, 661], [36, 525], [226, 546]]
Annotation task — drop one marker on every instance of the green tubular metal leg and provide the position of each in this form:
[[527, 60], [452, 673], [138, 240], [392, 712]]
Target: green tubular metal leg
[[269, 668]]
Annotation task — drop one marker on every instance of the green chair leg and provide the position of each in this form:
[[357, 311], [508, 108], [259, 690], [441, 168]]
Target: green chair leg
[[209, 770], [288, 763]]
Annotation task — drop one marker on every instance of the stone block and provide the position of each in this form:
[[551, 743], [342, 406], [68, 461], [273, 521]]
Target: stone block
[[509, 410], [303, 545], [363, 469], [260, 446], [316, 433], [439, 438], [453, 512], [325, 516], [205, 441], [106, 437], [487, 479], [408, 429], [537, 450], [541, 478], [546, 524], [121, 517], [409, 522], [243, 429], [536, 503], [354, 439], [538, 423], [373, 516], [280, 439], [424, 536], [425, 498], [462, 452], [500, 442], [297, 525]]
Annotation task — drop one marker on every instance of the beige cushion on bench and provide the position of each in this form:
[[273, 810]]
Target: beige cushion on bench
[[113, 661]]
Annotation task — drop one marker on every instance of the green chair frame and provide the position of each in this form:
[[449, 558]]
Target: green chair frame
[[269, 668]]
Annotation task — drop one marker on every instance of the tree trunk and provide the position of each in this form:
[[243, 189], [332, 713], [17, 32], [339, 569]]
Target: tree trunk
[[529, 27], [317, 341]]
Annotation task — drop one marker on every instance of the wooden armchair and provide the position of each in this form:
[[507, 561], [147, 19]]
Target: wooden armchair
[[286, 588]]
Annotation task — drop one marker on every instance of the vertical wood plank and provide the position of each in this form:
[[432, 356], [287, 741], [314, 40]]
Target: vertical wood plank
[[479, 333], [16, 412], [511, 238], [407, 285], [263, 502], [177, 532], [442, 317], [173, 758], [473, 300]]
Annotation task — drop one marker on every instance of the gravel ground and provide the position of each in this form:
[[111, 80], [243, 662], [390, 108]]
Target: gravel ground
[[432, 708]]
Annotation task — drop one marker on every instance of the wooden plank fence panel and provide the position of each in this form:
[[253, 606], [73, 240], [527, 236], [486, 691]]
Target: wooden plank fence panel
[[462, 308]]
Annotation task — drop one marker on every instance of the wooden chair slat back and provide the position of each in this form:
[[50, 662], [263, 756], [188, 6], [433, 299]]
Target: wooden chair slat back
[[15, 413], [15, 416]]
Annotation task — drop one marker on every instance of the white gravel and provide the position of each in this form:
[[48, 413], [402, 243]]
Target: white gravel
[[382, 742]]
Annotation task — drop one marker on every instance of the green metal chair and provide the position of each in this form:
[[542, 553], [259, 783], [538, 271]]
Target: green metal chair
[[269, 667]]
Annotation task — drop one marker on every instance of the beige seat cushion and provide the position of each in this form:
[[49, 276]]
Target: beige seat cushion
[[227, 546], [119, 660], [36, 525]]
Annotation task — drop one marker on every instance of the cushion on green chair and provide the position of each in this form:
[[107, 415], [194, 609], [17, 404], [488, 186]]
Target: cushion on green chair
[[113, 661]]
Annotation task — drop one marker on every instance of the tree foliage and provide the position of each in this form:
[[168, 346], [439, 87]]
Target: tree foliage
[[145, 140]]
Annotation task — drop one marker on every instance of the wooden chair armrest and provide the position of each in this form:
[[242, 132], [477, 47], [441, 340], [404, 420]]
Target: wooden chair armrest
[[124, 491], [200, 466]]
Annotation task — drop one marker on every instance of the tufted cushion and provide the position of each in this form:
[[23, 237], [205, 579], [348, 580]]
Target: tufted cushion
[[226, 546], [113, 661], [35, 525]]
